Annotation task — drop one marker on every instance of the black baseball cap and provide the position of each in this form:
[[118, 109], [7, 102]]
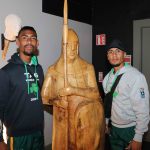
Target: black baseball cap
[[116, 43]]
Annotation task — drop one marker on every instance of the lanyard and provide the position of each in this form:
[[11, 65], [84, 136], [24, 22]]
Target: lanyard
[[108, 88]]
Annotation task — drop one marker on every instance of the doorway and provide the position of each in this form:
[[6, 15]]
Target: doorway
[[141, 47]]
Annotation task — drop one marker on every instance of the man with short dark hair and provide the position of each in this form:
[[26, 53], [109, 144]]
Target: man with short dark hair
[[21, 109], [129, 112]]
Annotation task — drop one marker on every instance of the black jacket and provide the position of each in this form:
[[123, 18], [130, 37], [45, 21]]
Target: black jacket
[[21, 108]]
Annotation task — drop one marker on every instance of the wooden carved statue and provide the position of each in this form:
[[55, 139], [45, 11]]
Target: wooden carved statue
[[70, 86], [78, 115]]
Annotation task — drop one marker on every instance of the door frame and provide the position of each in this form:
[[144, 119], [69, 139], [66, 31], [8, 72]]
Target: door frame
[[138, 26]]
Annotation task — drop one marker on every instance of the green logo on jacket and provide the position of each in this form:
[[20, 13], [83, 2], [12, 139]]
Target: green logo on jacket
[[115, 94], [34, 88]]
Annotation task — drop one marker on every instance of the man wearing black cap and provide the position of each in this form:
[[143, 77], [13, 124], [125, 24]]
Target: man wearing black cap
[[127, 105]]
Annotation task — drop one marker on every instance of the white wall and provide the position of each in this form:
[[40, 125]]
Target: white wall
[[49, 29]]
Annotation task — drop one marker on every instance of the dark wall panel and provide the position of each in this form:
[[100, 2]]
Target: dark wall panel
[[78, 10]]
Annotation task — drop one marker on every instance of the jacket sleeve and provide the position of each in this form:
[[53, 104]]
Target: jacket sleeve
[[4, 94], [140, 104]]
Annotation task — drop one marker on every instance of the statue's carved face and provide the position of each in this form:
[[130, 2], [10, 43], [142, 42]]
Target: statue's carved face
[[72, 45], [72, 50]]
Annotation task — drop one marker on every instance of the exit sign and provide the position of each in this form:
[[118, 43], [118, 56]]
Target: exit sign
[[101, 39]]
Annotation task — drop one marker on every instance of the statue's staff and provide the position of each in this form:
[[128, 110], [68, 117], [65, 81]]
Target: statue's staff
[[65, 39]]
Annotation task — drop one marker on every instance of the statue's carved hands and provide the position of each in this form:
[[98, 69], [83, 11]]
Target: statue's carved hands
[[66, 91]]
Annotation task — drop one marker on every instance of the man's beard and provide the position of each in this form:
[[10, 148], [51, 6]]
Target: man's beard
[[116, 65], [28, 54], [31, 53]]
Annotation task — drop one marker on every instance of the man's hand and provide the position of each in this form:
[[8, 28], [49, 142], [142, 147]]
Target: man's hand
[[134, 145], [107, 129], [3, 146]]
